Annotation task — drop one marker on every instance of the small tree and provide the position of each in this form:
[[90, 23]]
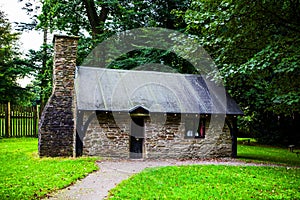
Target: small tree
[[12, 67]]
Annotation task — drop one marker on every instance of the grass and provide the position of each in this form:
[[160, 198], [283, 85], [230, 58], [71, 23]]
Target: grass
[[211, 182], [23, 175], [265, 154], [220, 182]]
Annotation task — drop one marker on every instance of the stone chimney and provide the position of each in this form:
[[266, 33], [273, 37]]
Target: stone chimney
[[57, 128]]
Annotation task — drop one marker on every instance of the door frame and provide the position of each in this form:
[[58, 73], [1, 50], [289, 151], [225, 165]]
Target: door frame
[[137, 139]]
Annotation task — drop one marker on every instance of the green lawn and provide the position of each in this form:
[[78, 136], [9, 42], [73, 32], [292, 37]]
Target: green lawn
[[211, 182], [266, 154], [220, 182], [25, 176]]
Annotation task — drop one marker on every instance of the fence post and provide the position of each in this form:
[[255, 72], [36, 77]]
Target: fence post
[[7, 120]]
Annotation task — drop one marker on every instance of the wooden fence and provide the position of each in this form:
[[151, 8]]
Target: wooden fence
[[18, 121]]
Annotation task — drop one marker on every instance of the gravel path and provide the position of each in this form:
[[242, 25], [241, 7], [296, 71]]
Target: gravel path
[[111, 172]]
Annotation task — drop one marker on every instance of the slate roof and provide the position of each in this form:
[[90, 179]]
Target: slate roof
[[122, 90]]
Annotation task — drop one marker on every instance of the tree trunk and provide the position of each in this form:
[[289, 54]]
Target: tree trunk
[[96, 22]]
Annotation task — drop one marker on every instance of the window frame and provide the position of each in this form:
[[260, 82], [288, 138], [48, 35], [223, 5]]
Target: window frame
[[195, 127]]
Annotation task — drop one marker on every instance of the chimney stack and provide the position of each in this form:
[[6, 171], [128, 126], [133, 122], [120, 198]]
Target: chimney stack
[[57, 128]]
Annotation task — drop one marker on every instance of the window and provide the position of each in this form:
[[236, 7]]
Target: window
[[195, 128]]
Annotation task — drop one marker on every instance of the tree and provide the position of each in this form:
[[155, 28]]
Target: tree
[[256, 46], [12, 67], [42, 60], [101, 19], [98, 17]]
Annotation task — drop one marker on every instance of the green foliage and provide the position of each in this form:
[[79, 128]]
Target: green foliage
[[270, 79], [101, 19], [150, 13], [256, 47], [97, 17], [42, 61], [25, 176], [63, 15], [153, 60], [210, 182], [12, 66]]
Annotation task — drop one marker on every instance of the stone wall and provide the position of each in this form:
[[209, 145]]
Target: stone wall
[[57, 125], [104, 138]]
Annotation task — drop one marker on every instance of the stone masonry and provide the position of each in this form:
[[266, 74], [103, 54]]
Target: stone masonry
[[105, 138], [57, 128]]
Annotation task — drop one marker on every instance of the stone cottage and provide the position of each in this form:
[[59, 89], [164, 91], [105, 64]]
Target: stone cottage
[[134, 114]]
